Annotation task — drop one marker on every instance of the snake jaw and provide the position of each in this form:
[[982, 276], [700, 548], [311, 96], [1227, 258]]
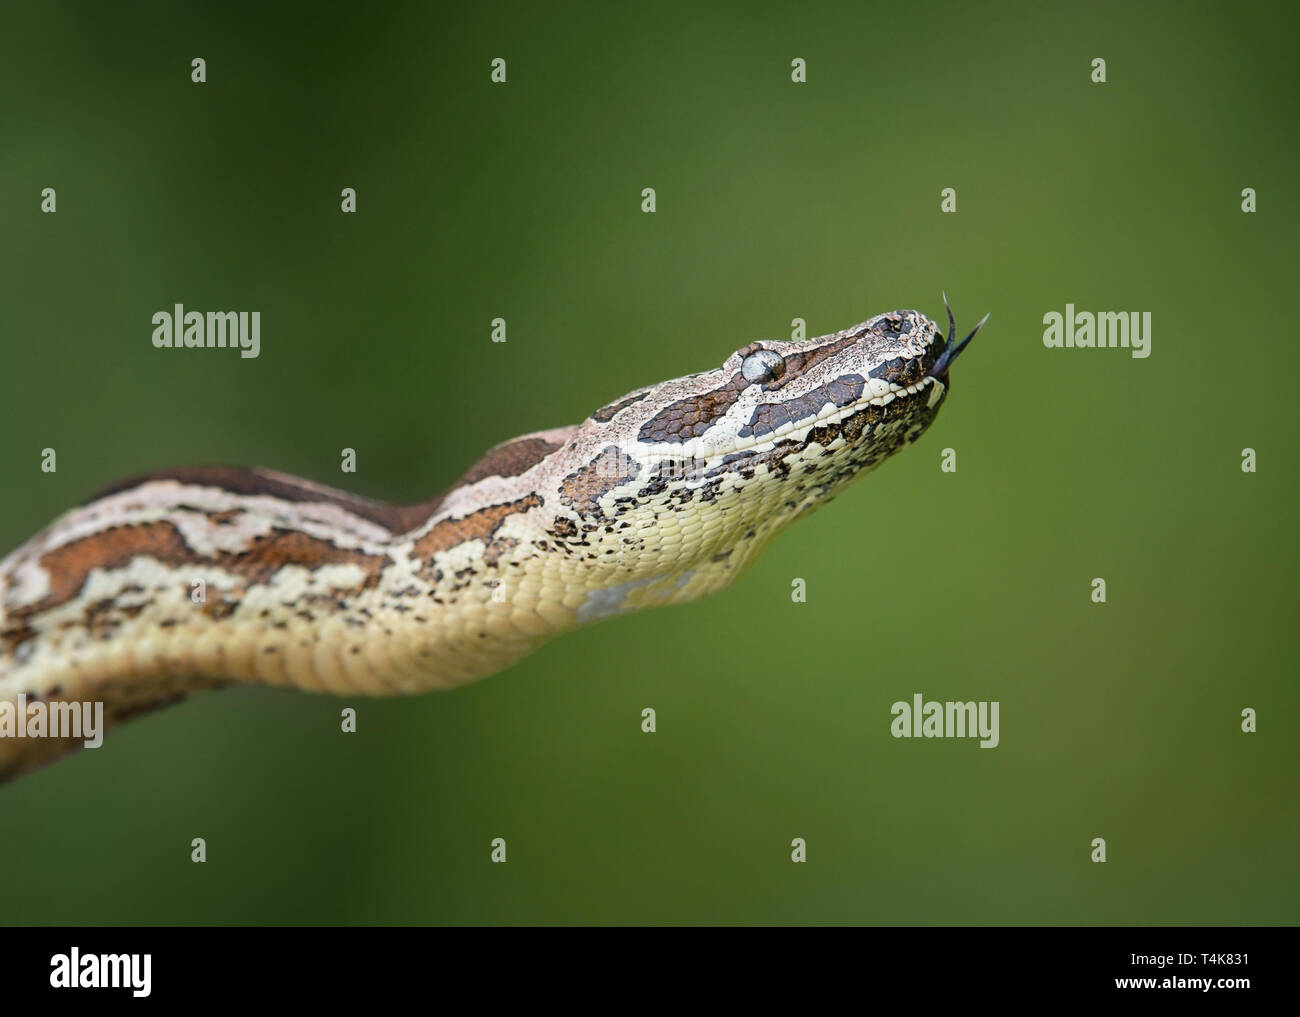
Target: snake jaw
[[939, 369]]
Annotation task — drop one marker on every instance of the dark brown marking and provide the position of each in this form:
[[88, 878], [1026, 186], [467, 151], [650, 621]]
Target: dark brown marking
[[901, 371], [774, 458], [691, 417], [824, 434], [509, 460], [480, 525], [583, 489], [13, 636], [767, 417], [69, 565], [798, 364], [218, 609], [607, 413], [855, 424], [711, 489], [272, 551], [895, 323]]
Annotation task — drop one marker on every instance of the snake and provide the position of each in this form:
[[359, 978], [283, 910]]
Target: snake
[[195, 578]]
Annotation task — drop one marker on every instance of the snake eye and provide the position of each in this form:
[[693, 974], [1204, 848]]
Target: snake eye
[[762, 366]]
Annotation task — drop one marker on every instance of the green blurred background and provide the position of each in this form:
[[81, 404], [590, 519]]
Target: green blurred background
[[775, 201]]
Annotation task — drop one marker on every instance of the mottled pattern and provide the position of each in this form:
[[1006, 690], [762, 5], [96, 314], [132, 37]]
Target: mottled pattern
[[900, 371], [691, 417], [69, 564], [190, 579], [583, 488], [268, 553], [769, 417], [799, 364], [480, 526]]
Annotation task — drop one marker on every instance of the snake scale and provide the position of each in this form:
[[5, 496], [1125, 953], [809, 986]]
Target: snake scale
[[195, 578]]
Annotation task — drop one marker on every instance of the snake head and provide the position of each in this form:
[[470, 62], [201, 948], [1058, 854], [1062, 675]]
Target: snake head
[[736, 453], [668, 493]]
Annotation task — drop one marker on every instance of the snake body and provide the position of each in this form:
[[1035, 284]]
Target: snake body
[[193, 578]]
